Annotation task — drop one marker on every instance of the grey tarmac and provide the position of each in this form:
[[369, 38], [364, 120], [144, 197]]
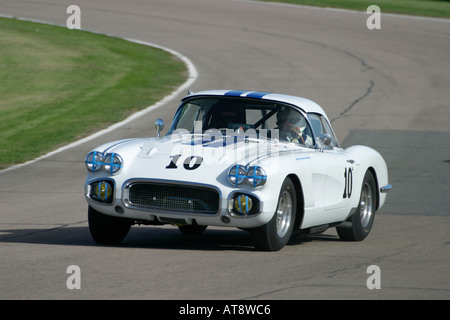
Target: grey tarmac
[[386, 88]]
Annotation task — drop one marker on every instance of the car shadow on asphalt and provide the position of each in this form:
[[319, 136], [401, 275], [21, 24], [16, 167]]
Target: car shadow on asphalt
[[146, 237]]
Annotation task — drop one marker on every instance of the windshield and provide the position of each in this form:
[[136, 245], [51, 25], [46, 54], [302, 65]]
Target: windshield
[[260, 118]]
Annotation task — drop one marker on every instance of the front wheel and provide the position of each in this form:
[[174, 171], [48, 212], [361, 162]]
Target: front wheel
[[362, 220], [106, 229], [275, 234]]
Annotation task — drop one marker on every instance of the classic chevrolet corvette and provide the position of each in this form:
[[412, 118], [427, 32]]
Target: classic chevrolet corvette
[[263, 162]]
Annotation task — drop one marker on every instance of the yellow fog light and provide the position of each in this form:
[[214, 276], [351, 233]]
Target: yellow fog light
[[102, 191], [243, 204]]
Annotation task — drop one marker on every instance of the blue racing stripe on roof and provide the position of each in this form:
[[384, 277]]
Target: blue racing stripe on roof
[[257, 95], [234, 93]]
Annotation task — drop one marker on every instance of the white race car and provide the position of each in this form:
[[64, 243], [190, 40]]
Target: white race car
[[266, 163]]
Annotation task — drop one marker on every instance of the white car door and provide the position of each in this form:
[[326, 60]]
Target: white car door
[[338, 187], [339, 184]]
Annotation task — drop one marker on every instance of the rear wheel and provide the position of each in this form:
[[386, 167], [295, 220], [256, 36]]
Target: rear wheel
[[361, 221], [107, 229], [275, 234]]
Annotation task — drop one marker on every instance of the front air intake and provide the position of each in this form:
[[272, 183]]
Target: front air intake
[[170, 197]]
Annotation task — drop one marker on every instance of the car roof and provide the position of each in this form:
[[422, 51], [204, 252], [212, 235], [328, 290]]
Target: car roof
[[305, 104]]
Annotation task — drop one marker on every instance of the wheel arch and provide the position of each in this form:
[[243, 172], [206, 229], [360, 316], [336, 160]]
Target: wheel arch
[[374, 173], [300, 200]]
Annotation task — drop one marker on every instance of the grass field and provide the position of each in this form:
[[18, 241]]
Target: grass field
[[431, 8], [58, 85]]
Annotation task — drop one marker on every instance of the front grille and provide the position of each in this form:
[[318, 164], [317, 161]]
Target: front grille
[[173, 197]]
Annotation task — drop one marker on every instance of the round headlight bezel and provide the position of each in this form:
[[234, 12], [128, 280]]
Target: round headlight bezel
[[113, 163], [236, 175], [94, 161], [256, 176]]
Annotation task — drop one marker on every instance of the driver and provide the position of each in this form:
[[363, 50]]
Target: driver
[[293, 127]]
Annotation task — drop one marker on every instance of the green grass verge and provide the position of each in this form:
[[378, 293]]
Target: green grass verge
[[59, 85], [431, 8]]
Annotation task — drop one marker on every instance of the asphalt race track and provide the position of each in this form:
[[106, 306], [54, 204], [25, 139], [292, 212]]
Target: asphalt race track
[[388, 89]]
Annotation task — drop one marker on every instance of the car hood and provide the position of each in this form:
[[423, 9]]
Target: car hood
[[180, 157]]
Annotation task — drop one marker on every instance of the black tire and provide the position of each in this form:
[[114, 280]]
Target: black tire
[[106, 229], [275, 234], [361, 222], [192, 229]]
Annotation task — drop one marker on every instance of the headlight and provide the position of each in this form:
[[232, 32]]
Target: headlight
[[256, 176], [94, 161], [236, 175], [243, 204], [113, 163], [102, 191]]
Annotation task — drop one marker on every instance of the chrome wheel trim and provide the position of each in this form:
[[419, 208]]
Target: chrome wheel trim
[[366, 205], [284, 214]]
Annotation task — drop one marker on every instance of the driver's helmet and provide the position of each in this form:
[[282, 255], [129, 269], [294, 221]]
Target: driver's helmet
[[292, 117]]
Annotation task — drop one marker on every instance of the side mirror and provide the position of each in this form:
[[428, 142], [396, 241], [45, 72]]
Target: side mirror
[[159, 125], [325, 141]]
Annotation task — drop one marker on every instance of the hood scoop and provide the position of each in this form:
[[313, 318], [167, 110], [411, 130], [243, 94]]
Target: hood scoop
[[147, 150]]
